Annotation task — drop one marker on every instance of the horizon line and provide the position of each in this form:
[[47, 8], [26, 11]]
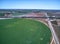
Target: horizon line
[[34, 8]]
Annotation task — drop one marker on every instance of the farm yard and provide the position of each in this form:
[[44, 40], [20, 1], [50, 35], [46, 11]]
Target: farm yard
[[24, 31]]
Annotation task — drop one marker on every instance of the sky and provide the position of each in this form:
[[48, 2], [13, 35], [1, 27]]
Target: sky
[[30, 4]]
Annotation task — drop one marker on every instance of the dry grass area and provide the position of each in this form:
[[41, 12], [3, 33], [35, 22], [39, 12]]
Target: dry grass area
[[39, 19]]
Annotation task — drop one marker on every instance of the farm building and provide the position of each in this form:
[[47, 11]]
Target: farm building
[[5, 14]]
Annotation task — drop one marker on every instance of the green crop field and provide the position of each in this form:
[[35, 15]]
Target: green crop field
[[24, 31]]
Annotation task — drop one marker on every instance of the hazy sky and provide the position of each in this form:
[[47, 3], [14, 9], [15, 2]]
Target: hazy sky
[[29, 4]]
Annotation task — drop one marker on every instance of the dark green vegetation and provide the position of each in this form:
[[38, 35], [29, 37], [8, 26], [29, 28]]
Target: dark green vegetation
[[1, 14], [23, 31]]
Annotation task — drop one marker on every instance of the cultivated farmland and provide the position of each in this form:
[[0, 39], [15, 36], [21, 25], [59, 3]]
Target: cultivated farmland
[[24, 31]]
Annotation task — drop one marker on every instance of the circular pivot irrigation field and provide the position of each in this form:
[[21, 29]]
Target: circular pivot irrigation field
[[24, 31]]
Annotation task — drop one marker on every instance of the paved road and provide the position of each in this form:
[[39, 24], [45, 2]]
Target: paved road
[[52, 30], [5, 18]]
